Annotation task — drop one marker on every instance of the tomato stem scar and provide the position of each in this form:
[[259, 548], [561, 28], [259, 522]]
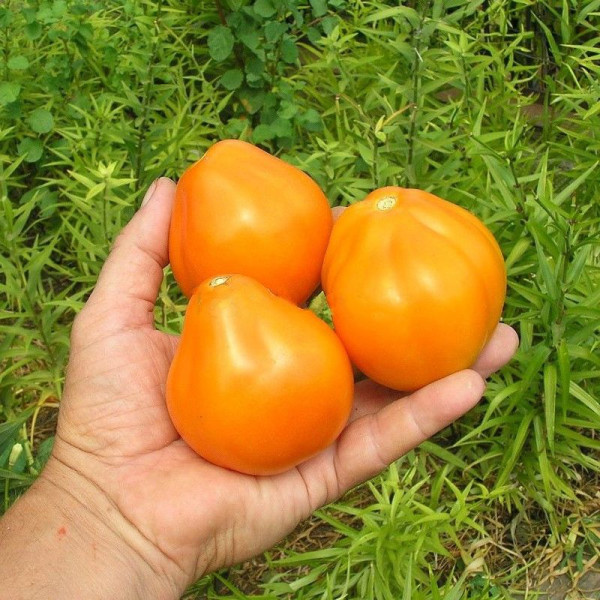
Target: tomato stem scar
[[386, 203], [219, 280]]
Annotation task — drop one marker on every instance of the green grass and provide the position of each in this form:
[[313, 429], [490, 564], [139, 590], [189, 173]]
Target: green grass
[[492, 105]]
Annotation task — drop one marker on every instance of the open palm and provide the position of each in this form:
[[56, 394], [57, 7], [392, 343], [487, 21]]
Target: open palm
[[114, 427]]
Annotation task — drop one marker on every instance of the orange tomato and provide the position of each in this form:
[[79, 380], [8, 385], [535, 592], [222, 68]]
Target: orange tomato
[[257, 385], [415, 284], [241, 210]]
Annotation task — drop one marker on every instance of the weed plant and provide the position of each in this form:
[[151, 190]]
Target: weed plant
[[493, 105]]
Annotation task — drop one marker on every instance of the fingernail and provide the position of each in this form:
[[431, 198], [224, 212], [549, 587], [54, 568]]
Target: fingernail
[[150, 193]]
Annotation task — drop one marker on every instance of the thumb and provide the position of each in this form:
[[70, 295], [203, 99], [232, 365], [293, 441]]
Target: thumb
[[131, 276]]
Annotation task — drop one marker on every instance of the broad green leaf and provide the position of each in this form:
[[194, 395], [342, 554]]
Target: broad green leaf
[[30, 149], [6, 16], [319, 7], [59, 8], [220, 43], [313, 34], [264, 8], [262, 133], [232, 79], [289, 51], [311, 120], [33, 30], [9, 91], [250, 37], [274, 30], [18, 63], [41, 120], [255, 69], [281, 127], [328, 24]]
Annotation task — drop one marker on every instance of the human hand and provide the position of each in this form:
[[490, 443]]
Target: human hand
[[172, 515]]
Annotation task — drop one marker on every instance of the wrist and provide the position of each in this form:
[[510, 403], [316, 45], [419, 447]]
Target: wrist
[[64, 538]]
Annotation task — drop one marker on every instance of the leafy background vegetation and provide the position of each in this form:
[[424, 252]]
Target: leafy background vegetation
[[491, 104]]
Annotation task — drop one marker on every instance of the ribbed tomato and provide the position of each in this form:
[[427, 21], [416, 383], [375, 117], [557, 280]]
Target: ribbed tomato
[[257, 384], [241, 210], [415, 284]]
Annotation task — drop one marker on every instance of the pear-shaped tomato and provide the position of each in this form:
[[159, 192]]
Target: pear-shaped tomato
[[257, 385], [241, 210], [415, 284]]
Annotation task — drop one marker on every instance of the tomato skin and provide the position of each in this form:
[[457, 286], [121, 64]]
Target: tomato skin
[[416, 286], [257, 385], [241, 210]]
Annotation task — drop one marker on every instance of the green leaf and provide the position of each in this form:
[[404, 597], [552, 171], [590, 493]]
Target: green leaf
[[254, 71], [31, 149], [44, 452], [9, 92], [313, 34], [513, 451], [564, 370], [18, 63], [264, 8], [445, 455], [44, 14], [33, 30], [59, 8], [319, 7], [8, 429], [29, 14], [281, 128], [585, 398], [6, 17], [550, 384], [41, 120], [544, 465], [250, 37], [232, 79], [298, 16], [311, 120], [400, 12], [220, 43], [274, 30], [262, 133], [289, 51], [570, 189], [252, 100], [328, 24], [13, 110], [551, 41], [24, 478], [287, 109]]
